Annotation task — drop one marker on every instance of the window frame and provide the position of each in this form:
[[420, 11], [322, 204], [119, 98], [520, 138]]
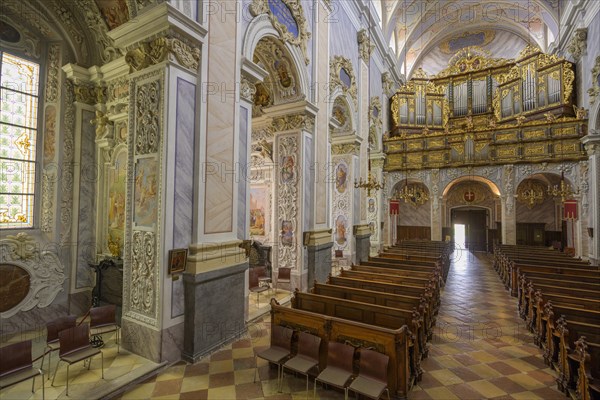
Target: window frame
[[39, 137]]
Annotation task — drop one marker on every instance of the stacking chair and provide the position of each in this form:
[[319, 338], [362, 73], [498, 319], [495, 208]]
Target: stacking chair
[[372, 375], [52, 342], [16, 366], [339, 370], [283, 276], [280, 350], [74, 347], [104, 320], [307, 357], [254, 275]]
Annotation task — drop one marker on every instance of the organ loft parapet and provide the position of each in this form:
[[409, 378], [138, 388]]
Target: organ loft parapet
[[481, 111]]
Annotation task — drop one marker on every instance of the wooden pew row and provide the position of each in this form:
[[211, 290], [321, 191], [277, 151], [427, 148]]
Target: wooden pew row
[[370, 314], [399, 265], [563, 272], [429, 288], [530, 282], [434, 277], [380, 298], [409, 290], [576, 373], [393, 343], [505, 265]]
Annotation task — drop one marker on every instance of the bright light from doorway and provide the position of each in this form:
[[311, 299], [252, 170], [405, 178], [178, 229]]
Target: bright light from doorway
[[459, 236]]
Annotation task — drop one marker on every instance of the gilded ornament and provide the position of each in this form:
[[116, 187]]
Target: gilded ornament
[[336, 64], [578, 44], [365, 47], [567, 79], [580, 112], [159, 50]]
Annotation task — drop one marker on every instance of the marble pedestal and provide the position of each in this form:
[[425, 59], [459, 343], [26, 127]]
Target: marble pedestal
[[363, 247], [214, 309], [319, 263]]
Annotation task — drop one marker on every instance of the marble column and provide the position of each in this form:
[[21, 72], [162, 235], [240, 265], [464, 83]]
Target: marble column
[[345, 197], [161, 173], [436, 208], [318, 245], [362, 235], [375, 205], [592, 145], [509, 214], [320, 61]]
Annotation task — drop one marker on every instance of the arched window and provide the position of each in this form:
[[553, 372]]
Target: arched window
[[19, 92]]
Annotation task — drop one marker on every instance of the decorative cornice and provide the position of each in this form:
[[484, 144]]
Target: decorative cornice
[[161, 49], [318, 237], [335, 66], [294, 122], [387, 83], [247, 89], [261, 7], [365, 47], [578, 44], [594, 91], [205, 257], [346, 145]]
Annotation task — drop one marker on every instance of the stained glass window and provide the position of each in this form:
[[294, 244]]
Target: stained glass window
[[19, 85]]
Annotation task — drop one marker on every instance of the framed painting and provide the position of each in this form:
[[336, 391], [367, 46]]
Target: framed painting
[[177, 260]]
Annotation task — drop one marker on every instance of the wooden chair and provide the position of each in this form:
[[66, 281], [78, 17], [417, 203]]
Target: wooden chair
[[74, 347], [16, 366], [280, 350], [254, 275], [283, 276], [372, 375], [339, 370], [52, 342], [104, 320], [307, 357]]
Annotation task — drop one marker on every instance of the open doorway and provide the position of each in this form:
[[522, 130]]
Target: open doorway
[[459, 236], [473, 219]]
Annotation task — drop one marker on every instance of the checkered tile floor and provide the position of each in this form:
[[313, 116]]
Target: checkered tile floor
[[480, 350]]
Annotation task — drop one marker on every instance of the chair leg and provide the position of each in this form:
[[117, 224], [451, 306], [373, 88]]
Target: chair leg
[[388, 392], [118, 341], [102, 360], [345, 393], [89, 363], [315, 389], [33, 384], [43, 386], [68, 365], [307, 385], [55, 371], [255, 367]]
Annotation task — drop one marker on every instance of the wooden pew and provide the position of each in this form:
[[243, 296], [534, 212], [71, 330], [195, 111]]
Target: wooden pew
[[562, 336], [371, 314], [386, 287], [429, 286], [563, 272], [380, 298], [393, 343]]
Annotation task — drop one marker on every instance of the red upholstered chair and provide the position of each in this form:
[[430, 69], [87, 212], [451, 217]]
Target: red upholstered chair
[[372, 375], [307, 357], [74, 347], [283, 276], [280, 349], [254, 275], [104, 320], [52, 342], [339, 370], [16, 366]]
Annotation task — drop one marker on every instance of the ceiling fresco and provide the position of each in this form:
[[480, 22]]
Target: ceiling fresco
[[416, 28]]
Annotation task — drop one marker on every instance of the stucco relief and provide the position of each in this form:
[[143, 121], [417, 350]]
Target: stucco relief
[[287, 201], [46, 272]]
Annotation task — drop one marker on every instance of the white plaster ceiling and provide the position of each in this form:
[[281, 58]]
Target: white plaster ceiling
[[416, 28]]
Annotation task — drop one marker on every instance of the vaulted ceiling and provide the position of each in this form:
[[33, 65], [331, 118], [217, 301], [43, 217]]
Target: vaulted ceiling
[[427, 33]]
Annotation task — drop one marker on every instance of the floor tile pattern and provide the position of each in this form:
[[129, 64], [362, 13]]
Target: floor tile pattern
[[480, 350]]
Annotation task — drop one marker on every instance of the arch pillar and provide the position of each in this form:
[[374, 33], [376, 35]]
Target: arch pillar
[[509, 214], [592, 145]]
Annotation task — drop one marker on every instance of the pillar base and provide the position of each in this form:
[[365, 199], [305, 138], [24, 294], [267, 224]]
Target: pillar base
[[362, 234], [214, 309]]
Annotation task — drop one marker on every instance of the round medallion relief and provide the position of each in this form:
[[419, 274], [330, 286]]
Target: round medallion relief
[[14, 286]]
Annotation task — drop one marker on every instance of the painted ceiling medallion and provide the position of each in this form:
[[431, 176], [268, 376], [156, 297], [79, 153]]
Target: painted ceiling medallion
[[467, 39]]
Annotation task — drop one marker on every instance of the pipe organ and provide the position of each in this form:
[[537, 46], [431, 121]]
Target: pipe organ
[[483, 110]]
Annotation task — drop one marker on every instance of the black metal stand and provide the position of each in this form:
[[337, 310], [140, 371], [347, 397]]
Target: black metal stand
[[96, 340]]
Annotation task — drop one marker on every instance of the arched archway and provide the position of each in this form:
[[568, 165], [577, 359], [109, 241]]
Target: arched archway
[[414, 209], [472, 204]]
